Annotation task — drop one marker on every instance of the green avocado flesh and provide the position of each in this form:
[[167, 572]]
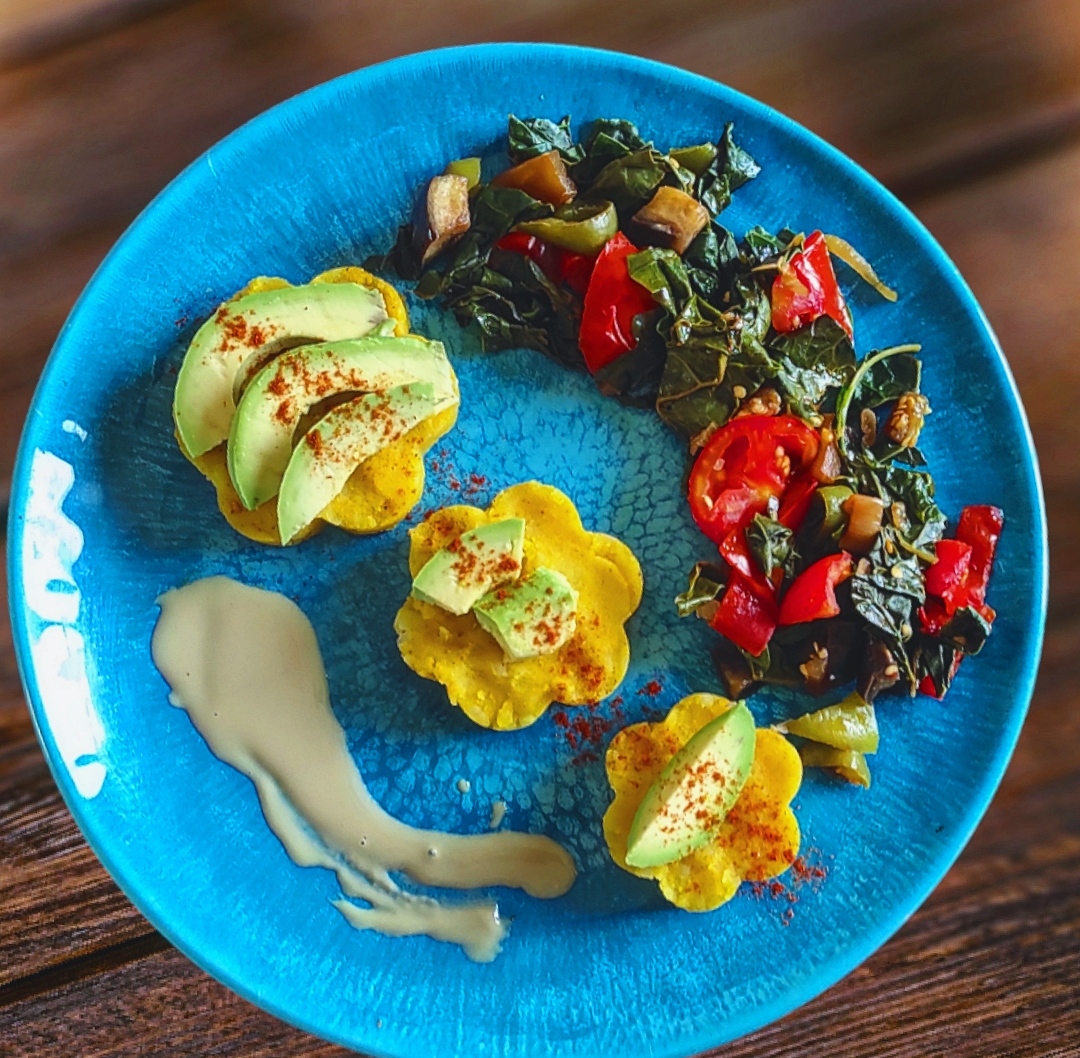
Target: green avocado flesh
[[848, 725], [535, 616], [338, 443], [250, 330], [283, 392], [468, 568], [681, 811]]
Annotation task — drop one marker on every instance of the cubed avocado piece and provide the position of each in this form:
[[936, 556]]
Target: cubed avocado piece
[[682, 810], [464, 571], [535, 616]]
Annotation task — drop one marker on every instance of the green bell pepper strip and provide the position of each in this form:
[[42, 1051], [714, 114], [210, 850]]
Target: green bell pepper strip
[[848, 725], [466, 167], [582, 227], [848, 763]]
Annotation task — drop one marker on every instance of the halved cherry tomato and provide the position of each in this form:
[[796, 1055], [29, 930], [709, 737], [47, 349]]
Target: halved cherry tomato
[[744, 465], [612, 301], [805, 288], [812, 594], [746, 615]]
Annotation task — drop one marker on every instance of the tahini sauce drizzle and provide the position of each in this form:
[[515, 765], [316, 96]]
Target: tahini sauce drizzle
[[246, 666]]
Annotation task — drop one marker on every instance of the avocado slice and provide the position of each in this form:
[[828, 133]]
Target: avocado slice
[[253, 329], [261, 438], [472, 565], [694, 793], [535, 616], [340, 441]]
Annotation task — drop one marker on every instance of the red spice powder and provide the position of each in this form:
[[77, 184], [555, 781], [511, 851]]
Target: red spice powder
[[652, 688]]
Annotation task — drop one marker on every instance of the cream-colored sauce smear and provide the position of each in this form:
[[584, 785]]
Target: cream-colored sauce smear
[[245, 664]]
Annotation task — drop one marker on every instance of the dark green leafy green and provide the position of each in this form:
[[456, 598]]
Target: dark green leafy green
[[760, 246], [889, 612], [530, 137], [727, 172], [967, 630], [772, 545], [516, 306], [634, 377], [707, 582], [606, 140], [495, 210], [880, 378], [937, 659], [711, 261], [629, 181], [811, 362]]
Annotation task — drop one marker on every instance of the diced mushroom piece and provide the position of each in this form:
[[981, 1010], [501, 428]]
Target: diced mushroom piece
[[544, 177], [442, 214], [671, 219]]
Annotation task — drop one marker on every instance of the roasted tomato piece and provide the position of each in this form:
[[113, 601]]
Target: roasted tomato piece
[[745, 465], [806, 288]]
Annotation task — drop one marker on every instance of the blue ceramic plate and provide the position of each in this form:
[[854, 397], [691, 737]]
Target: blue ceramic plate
[[106, 515]]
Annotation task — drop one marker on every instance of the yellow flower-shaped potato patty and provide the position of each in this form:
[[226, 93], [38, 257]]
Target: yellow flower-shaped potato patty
[[456, 652], [382, 490], [758, 840]]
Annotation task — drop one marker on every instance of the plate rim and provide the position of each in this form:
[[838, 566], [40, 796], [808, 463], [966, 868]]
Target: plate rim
[[833, 969]]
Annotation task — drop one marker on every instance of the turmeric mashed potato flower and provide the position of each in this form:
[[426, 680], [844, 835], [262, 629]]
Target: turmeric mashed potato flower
[[381, 491], [455, 651], [757, 841]]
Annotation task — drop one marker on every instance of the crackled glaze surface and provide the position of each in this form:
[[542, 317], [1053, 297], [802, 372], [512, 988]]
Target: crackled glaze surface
[[321, 181]]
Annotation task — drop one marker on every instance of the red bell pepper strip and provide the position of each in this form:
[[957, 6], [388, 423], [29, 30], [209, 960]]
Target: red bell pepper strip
[[559, 265], [543, 253], [576, 271], [746, 464], [980, 527], [946, 577], [612, 301], [746, 614], [812, 594], [933, 616], [796, 501], [805, 288]]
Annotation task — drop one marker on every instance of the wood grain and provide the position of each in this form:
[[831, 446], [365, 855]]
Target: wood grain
[[980, 98], [985, 968], [92, 131]]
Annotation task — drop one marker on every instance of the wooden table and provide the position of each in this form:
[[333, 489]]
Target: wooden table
[[968, 109]]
